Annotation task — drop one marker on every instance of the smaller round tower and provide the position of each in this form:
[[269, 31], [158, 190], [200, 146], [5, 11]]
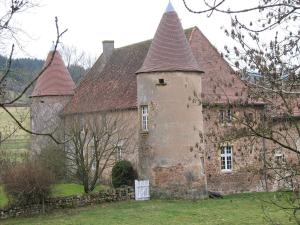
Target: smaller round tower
[[53, 90], [170, 147]]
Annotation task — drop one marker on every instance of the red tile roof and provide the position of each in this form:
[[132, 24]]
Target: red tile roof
[[169, 50], [113, 86], [56, 79], [219, 82]]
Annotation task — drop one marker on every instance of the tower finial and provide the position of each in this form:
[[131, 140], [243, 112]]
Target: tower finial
[[170, 7]]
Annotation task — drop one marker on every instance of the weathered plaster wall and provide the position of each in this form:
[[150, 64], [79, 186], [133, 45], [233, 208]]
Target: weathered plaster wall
[[169, 152], [45, 118]]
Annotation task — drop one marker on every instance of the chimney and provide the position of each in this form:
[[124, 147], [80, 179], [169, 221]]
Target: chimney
[[108, 48]]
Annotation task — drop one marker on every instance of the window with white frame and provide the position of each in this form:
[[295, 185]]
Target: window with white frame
[[279, 156], [145, 114], [119, 153], [226, 158], [225, 116], [118, 149]]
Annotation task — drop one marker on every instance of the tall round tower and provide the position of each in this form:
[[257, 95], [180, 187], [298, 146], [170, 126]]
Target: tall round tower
[[170, 146], [52, 92]]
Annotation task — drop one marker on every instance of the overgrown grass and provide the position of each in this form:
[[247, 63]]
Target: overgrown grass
[[241, 209]]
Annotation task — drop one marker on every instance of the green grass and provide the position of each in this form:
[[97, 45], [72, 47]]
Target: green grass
[[3, 198], [61, 190], [15, 138], [241, 209]]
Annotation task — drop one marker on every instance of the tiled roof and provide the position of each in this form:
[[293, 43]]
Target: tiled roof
[[220, 84], [113, 86], [169, 50], [55, 80]]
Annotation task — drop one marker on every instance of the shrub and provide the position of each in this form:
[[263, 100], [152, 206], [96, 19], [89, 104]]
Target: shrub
[[53, 158], [28, 183], [123, 174]]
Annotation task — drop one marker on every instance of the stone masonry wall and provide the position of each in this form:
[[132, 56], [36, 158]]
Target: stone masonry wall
[[246, 173], [113, 195]]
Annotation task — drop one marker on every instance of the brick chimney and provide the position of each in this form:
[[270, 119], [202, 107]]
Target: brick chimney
[[108, 48]]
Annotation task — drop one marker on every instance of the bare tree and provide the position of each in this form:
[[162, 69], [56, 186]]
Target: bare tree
[[8, 31], [265, 55], [96, 142], [77, 61]]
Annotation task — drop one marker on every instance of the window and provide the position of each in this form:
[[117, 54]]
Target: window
[[225, 116], [119, 153], [118, 150], [202, 170], [279, 157], [144, 110], [226, 158], [162, 82]]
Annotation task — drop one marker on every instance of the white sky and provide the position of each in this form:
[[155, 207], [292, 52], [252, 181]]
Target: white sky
[[90, 22]]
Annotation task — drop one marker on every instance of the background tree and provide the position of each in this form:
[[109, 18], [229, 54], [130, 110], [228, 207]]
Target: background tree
[[264, 52], [9, 31], [96, 143]]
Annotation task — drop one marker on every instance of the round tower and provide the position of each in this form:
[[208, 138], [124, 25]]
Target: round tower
[[170, 154], [52, 92]]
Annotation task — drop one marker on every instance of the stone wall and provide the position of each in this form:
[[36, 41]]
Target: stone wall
[[245, 175], [112, 195]]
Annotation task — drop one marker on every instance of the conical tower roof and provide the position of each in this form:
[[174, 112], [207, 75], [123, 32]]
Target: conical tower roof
[[56, 79], [169, 50]]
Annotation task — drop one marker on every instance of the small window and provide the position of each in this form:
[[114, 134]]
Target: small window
[[161, 81], [144, 110], [119, 152], [249, 117], [202, 172], [225, 116], [279, 158], [226, 158]]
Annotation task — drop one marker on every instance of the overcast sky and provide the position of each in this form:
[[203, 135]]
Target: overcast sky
[[89, 22]]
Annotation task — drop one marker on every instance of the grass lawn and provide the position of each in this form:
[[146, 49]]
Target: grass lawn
[[232, 210], [59, 190], [3, 198]]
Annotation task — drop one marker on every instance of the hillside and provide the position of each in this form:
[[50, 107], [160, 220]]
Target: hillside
[[24, 70]]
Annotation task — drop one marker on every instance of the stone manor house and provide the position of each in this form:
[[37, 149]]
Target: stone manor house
[[174, 89]]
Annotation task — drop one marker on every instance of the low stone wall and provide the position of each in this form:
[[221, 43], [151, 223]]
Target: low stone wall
[[112, 195]]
